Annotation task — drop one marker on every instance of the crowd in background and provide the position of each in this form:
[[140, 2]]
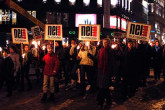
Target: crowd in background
[[88, 67]]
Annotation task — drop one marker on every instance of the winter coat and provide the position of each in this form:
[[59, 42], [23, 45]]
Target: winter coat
[[85, 60], [60, 53], [27, 58], [7, 67], [51, 64], [130, 65], [15, 58], [157, 57], [105, 67], [117, 55]]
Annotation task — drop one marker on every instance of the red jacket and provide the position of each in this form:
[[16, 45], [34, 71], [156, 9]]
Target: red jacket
[[51, 64]]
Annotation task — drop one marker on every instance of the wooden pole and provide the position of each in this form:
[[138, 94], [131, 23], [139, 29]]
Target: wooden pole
[[54, 46], [21, 48]]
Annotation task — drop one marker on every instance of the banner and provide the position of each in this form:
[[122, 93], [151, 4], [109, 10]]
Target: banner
[[53, 32], [138, 31], [89, 32], [36, 33], [20, 35]]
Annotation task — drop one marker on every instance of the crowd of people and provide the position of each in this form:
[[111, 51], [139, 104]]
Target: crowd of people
[[89, 67]]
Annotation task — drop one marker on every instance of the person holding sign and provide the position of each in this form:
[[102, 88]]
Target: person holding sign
[[86, 66], [16, 60], [73, 61], [130, 76], [50, 70], [26, 61]]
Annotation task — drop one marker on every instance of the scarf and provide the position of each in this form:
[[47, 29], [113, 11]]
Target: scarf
[[103, 61]]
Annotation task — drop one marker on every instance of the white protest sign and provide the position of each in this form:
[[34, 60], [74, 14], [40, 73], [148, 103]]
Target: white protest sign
[[20, 35], [89, 32], [53, 32], [36, 33], [138, 31]]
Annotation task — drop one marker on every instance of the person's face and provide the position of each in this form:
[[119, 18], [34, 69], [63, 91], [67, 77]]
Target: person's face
[[105, 43], [26, 48], [49, 50], [4, 54], [56, 44], [157, 43], [129, 45], [11, 50], [73, 42], [134, 44]]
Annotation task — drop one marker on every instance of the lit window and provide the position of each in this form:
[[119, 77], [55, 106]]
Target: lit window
[[29, 12], [114, 2], [0, 16], [99, 3], [86, 2], [34, 14], [44, 1], [145, 4], [129, 1], [72, 1], [126, 5], [14, 18], [57, 1], [122, 3], [19, 0], [156, 25], [152, 7]]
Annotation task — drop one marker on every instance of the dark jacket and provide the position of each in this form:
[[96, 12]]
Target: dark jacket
[[27, 60], [157, 57], [130, 62], [7, 67]]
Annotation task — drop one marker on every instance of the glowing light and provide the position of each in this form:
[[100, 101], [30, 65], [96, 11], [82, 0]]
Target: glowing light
[[34, 43], [86, 2], [0, 49], [38, 42], [114, 39], [99, 3], [114, 2], [57, 1], [43, 47], [98, 43], [113, 46], [78, 47], [87, 43], [124, 41], [85, 19], [72, 1], [23, 55]]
